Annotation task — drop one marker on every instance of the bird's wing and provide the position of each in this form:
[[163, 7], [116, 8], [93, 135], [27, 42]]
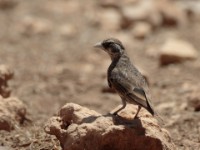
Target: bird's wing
[[130, 91]]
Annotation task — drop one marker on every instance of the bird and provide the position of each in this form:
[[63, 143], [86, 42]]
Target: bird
[[125, 78]]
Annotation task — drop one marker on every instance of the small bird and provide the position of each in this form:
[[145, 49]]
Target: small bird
[[125, 78]]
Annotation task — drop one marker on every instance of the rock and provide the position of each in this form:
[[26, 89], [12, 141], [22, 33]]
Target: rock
[[152, 51], [33, 26], [109, 19], [62, 8], [172, 15], [191, 7], [141, 30], [175, 50], [155, 12], [68, 30], [5, 74], [138, 11], [194, 101], [166, 106], [5, 91], [141, 11], [77, 127], [8, 4], [12, 113]]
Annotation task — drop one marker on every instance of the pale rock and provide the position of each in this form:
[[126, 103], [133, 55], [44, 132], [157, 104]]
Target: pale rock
[[166, 105], [62, 7], [109, 19], [77, 127], [12, 113], [68, 30], [171, 13], [152, 51], [141, 11], [5, 74], [141, 30], [34, 26], [5, 91], [191, 7], [194, 100], [156, 12], [175, 50]]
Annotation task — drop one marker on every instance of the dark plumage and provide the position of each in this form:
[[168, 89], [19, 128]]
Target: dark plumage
[[124, 78]]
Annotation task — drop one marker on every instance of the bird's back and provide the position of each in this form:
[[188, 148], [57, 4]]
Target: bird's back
[[129, 82]]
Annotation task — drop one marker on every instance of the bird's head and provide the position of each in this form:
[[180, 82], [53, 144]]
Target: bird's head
[[112, 46]]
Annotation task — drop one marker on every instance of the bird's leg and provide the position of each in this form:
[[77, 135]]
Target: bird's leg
[[123, 106], [139, 107]]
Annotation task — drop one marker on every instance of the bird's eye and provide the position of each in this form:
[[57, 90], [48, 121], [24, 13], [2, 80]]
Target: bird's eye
[[107, 45], [115, 48]]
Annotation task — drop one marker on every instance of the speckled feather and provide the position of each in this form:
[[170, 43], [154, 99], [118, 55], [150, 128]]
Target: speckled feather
[[124, 78], [129, 83]]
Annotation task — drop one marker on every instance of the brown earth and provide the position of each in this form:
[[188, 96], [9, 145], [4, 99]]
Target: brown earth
[[48, 44]]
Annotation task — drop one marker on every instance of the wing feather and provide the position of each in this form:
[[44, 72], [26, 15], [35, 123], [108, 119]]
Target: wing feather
[[126, 89]]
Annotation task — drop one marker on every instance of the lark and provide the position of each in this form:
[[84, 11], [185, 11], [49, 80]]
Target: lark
[[125, 78]]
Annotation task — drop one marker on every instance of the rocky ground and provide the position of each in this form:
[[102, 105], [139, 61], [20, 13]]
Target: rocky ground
[[48, 45]]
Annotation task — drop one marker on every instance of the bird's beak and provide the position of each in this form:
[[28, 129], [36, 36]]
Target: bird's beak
[[98, 45]]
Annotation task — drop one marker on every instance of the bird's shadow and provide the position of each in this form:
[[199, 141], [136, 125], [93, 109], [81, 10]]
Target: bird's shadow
[[119, 120]]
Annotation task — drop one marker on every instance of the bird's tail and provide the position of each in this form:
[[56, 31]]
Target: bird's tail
[[150, 107], [159, 118], [155, 113]]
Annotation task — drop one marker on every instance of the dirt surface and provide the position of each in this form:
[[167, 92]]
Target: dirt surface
[[48, 44]]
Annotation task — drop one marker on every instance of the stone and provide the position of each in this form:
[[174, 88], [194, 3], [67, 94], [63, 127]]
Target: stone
[[194, 101], [77, 127], [68, 30], [140, 11], [62, 8], [176, 50], [109, 19], [155, 12], [5, 74], [12, 113], [152, 51], [35, 26], [141, 30], [172, 15]]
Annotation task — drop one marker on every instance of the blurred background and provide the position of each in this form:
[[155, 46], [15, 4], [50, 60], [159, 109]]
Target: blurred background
[[49, 45]]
